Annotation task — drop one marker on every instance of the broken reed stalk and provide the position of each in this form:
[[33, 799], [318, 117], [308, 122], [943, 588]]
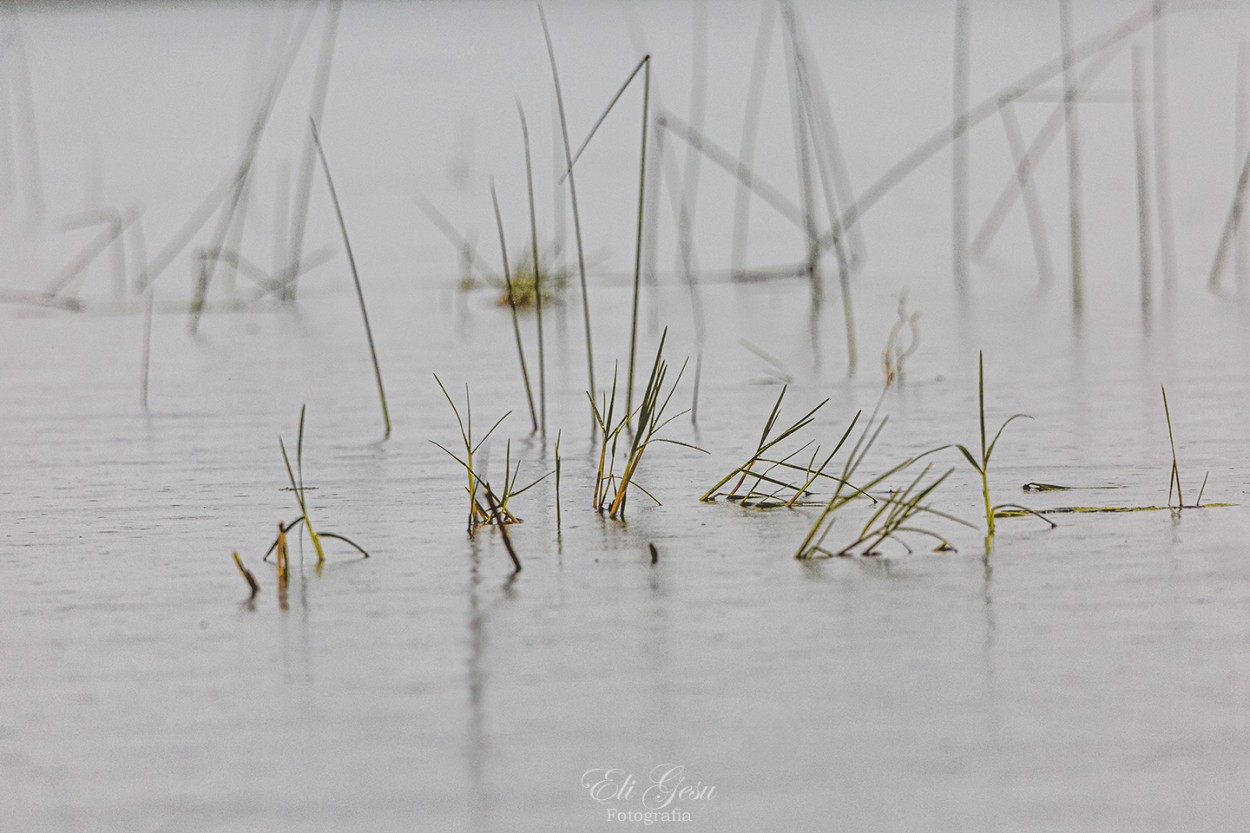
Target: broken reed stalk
[[685, 245], [1043, 140], [1074, 155], [1175, 479], [1028, 195], [516, 326], [959, 163], [1230, 225], [463, 247], [750, 132], [723, 159], [1241, 261], [577, 222], [351, 261], [115, 224], [147, 351], [822, 135], [1143, 181], [698, 100], [979, 112], [247, 575], [283, 559], [1163, 160], [25, 117], [803, 156], [538, 286], [308, 159], [239, 184], [827, 144]]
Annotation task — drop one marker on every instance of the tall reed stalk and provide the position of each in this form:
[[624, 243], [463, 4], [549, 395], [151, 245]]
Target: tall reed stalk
[[360, 294]]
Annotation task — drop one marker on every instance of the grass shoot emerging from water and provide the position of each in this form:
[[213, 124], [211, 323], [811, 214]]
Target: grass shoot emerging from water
[[492, 507], [1174, 482], [981, 464], [296, 478]]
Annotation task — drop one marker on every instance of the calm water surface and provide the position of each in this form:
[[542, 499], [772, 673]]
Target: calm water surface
[[1091, 677]]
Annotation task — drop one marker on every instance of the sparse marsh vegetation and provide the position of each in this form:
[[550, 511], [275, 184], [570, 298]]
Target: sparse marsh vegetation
[[441, 642]]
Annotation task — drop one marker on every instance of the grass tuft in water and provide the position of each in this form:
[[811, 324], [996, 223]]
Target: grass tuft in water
[[894, 516], [480, 512], [611, 490], [759, 482]]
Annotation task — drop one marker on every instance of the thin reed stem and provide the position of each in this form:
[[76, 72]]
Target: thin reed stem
[[750, 132], [1140, 140], [871, 195], [577, 222], [1074, 156], [642, 195], [1044, 139], [538, 274], [516, 326], [959, 163], [360, 294], [307, 160], [147, 351], [1163, 159], [1028, 195]]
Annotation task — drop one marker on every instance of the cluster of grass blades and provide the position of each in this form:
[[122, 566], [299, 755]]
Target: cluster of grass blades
[[768, 482], [1174, 480], [295, 476], [530, 286], [611, 489], [981, 464], [486, 506], [895, 516]]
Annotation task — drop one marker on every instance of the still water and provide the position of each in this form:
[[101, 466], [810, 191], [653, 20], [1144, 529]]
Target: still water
[[1091, 677]]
